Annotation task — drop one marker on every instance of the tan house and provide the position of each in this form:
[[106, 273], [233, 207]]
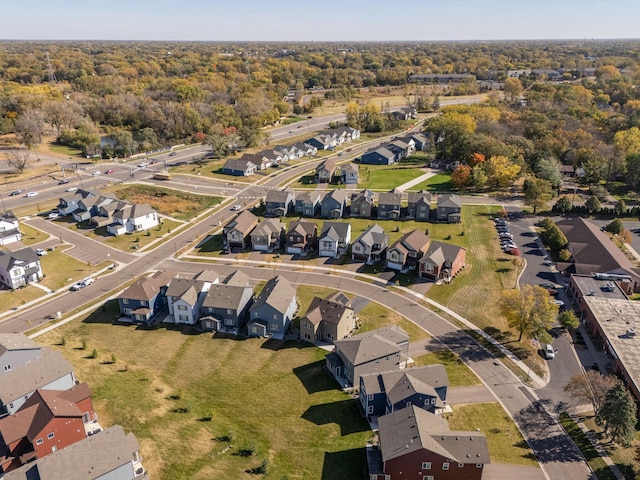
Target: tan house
[[325, 171], [407, 251], [237, 231], [327, 319]]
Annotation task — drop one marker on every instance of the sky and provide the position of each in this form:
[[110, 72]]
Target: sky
[[305, 20]]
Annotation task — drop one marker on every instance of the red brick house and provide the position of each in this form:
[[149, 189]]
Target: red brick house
[[49, 420], [442, 261], [418, 445]]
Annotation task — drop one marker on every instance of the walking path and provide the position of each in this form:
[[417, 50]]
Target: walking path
[[416, 181]]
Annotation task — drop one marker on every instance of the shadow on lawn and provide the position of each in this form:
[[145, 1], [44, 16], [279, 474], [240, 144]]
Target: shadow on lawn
[[273, 344], [314, 378], [343, 413], [345, 464]]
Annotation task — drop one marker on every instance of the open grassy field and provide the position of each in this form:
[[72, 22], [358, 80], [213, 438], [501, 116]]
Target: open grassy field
[[386, 177], [14, 298], [459, 374], [440, 182], [173, 203], [375, 316], [31, 236], [506, 444], [61, 269]]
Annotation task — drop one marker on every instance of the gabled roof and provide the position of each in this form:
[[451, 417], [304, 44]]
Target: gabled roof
[[16, 341], [134, 211], [401, 384], [449, 200], [349, 168], [335, 230], [328, 164], [309, 197], [243, 222], [303, 146], [239, 164], [207, 275], [8, 217], [414, 240], [148, 287], [238, 279], [302, 227], [372, 235], [364, 195], [277, 293], [268, 227], [412, 429], [421, 137], [438, 252], [178, 287], [10, 260], [422, 195], [399, 144], [225, 296], [382, 151], [368, 346], [339, 196], [389, 198], [38, 373], [279, 196], [325, 310], [88, 459]]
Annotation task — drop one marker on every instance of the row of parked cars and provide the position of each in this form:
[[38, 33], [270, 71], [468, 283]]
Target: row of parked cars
[[507, 243]]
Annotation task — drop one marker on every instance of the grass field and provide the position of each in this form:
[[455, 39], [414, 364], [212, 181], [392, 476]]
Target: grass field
[[61, 269], [31, 236], [173, 203], [440, 182], [459, 374], [14, 298], [506, 444], [386, 177], [625, 458]]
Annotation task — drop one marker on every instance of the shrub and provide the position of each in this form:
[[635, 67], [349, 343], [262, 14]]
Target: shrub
[[63, 341], [113, 358], [84, 345], [564, 255], [94, 353]]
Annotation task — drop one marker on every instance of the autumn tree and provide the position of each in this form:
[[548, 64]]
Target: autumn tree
[[513, 89], [30, 127], [461, 177], [589, 387], [537, 193], [479, 178], [530, 311], [617, 414], [568, 319], [219, 145], [501, 171], [627, 142]]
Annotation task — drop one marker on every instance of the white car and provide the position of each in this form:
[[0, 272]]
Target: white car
[[97, 172], [53, 215], [560, 303], [549, 352], [40, 252], [143, 164], [71, 189], [77, 286], [31, 194], [235, 208]]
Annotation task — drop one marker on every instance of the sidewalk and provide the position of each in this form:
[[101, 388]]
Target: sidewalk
[[416, 181]]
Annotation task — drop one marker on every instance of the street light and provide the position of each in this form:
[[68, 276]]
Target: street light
[[4, 209]]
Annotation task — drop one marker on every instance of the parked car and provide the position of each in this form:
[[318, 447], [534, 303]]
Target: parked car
[[31, 194], [560, 303], [15, 192], [549, 352], [97, 172], [109, 171], [41, 252], [143, 164], [88, 281], [173, 154], [53, 215], [548, 262], [71, 189], [77, 286]]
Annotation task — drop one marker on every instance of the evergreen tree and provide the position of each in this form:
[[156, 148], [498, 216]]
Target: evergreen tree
[[618, 415]]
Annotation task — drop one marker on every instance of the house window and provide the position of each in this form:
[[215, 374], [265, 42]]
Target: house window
[[50, 435], [370, 397], [408, 404], [426, 465], [182, 307], [229, 311], [125, 301], [183, 318], [370, 410], [422, 208], [445, 466], [274, 327], [478, 465], [39, 441], [144, 303], [275, 316], [427, 477], [433, 401]]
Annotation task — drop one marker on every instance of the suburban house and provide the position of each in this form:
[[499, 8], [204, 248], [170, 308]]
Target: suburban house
[[323, 141], [89, 206], [327, 320], [375, 351], [379, 156], [349, 174], [103, 216], [449, 208], [362, 204], [144, 299], [291, 152], [405, 113], [389, 205], [239, 167], [133, 218], [236, 232], [442, 261], [334, 239], [306, 149], [19, 268], [419, 207], [416, 445], [344, 133], [400, 148], [185, 295], [278, 203], [308, 203], [258, 159], [9, 229], [16, 350], [408, 139], [276, 158], [420, 140], [325, 171], [302, 237], [110, 454], [225, 305], [407, 251], [268, 235], [441, 77], [50, 371], [334, 204], [49, 420], [273, 309], [592, 251], [371, 245], [386, 392], [71, 203]]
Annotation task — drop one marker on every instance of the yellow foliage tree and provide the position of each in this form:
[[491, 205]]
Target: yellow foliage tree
[[627, 141], [501, 171], [530, 311]]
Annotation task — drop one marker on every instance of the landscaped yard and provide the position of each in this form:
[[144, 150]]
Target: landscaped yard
[[441, 182], [506, 444], [385, 178], [459, 374], [30, 235]]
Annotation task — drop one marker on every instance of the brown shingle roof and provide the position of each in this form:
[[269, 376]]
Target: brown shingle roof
[[243, 222], [278, 293]]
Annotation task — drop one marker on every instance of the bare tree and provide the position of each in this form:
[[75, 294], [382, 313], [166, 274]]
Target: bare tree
[[590, 387], [29, 128], [19, 160]]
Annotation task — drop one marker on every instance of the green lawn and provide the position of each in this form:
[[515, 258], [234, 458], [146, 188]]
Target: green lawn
[[386, 177], [61, 269], [375, 316], [625, 458], [14, 298], [219, 397], [64, 150], [31, 236], [459, 374], [506, 444], [441, 182]]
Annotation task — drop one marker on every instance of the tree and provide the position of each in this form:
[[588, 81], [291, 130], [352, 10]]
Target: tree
[[501, 172], [563, 204], [218, 144], [479, 178], [618, 414], [620, 208], [513, 89], [615, 227], [435, 105], [589, 387], [627, 142], [568, 319], [530, 311], [18, 160], [461, 177], [625, 236], [537, 192], [564, 255], [593, 204], [29, 128], [548, 168]]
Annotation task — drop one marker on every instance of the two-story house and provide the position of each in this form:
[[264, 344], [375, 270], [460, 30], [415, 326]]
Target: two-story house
[[186, 294], [362, 204], [442, 261], [237, 231], [302, 237], [449, 208], [306, 149], [327, 320], [268, 236], [323, 141], [278, 203], [378, 156], [349, 174], [9, 229], [226, 304], [334, 239], [142, 301], [406, 252], [70, 203], [325, 171], [375, 351], [371, 245], [308, 203], [334, 204], [89, 206], [16, 350], [19, 268], [273, 309], [133, 218], [386, 392], [399, 148], [419, 205], [389, 205]]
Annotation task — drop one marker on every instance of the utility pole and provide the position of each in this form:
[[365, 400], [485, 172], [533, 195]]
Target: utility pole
[[50, 72]]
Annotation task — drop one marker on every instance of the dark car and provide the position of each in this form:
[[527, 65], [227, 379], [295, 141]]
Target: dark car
[[15, 193], [64, 181]]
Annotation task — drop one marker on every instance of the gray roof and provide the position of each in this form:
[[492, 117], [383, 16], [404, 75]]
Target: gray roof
[[147, 287], [341, 229], [50, 366], [412, 429], [368, 346], [372, 235], [383, 152], [8, 217], [239, 164], [349, 167], [134, 211], [237, 278], [414, 197], [16, 341], [414, 240], [363, 195], [449, 200], [225, 296], [279, 196], [402, 384], [278, 293], [325, 309], [267, 227], [389, 198], [179, 286], [302, 228], [88, 459], [243, 222], [328, 164], [337, 195], [309, 197], [9, 260], [438, 252]]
